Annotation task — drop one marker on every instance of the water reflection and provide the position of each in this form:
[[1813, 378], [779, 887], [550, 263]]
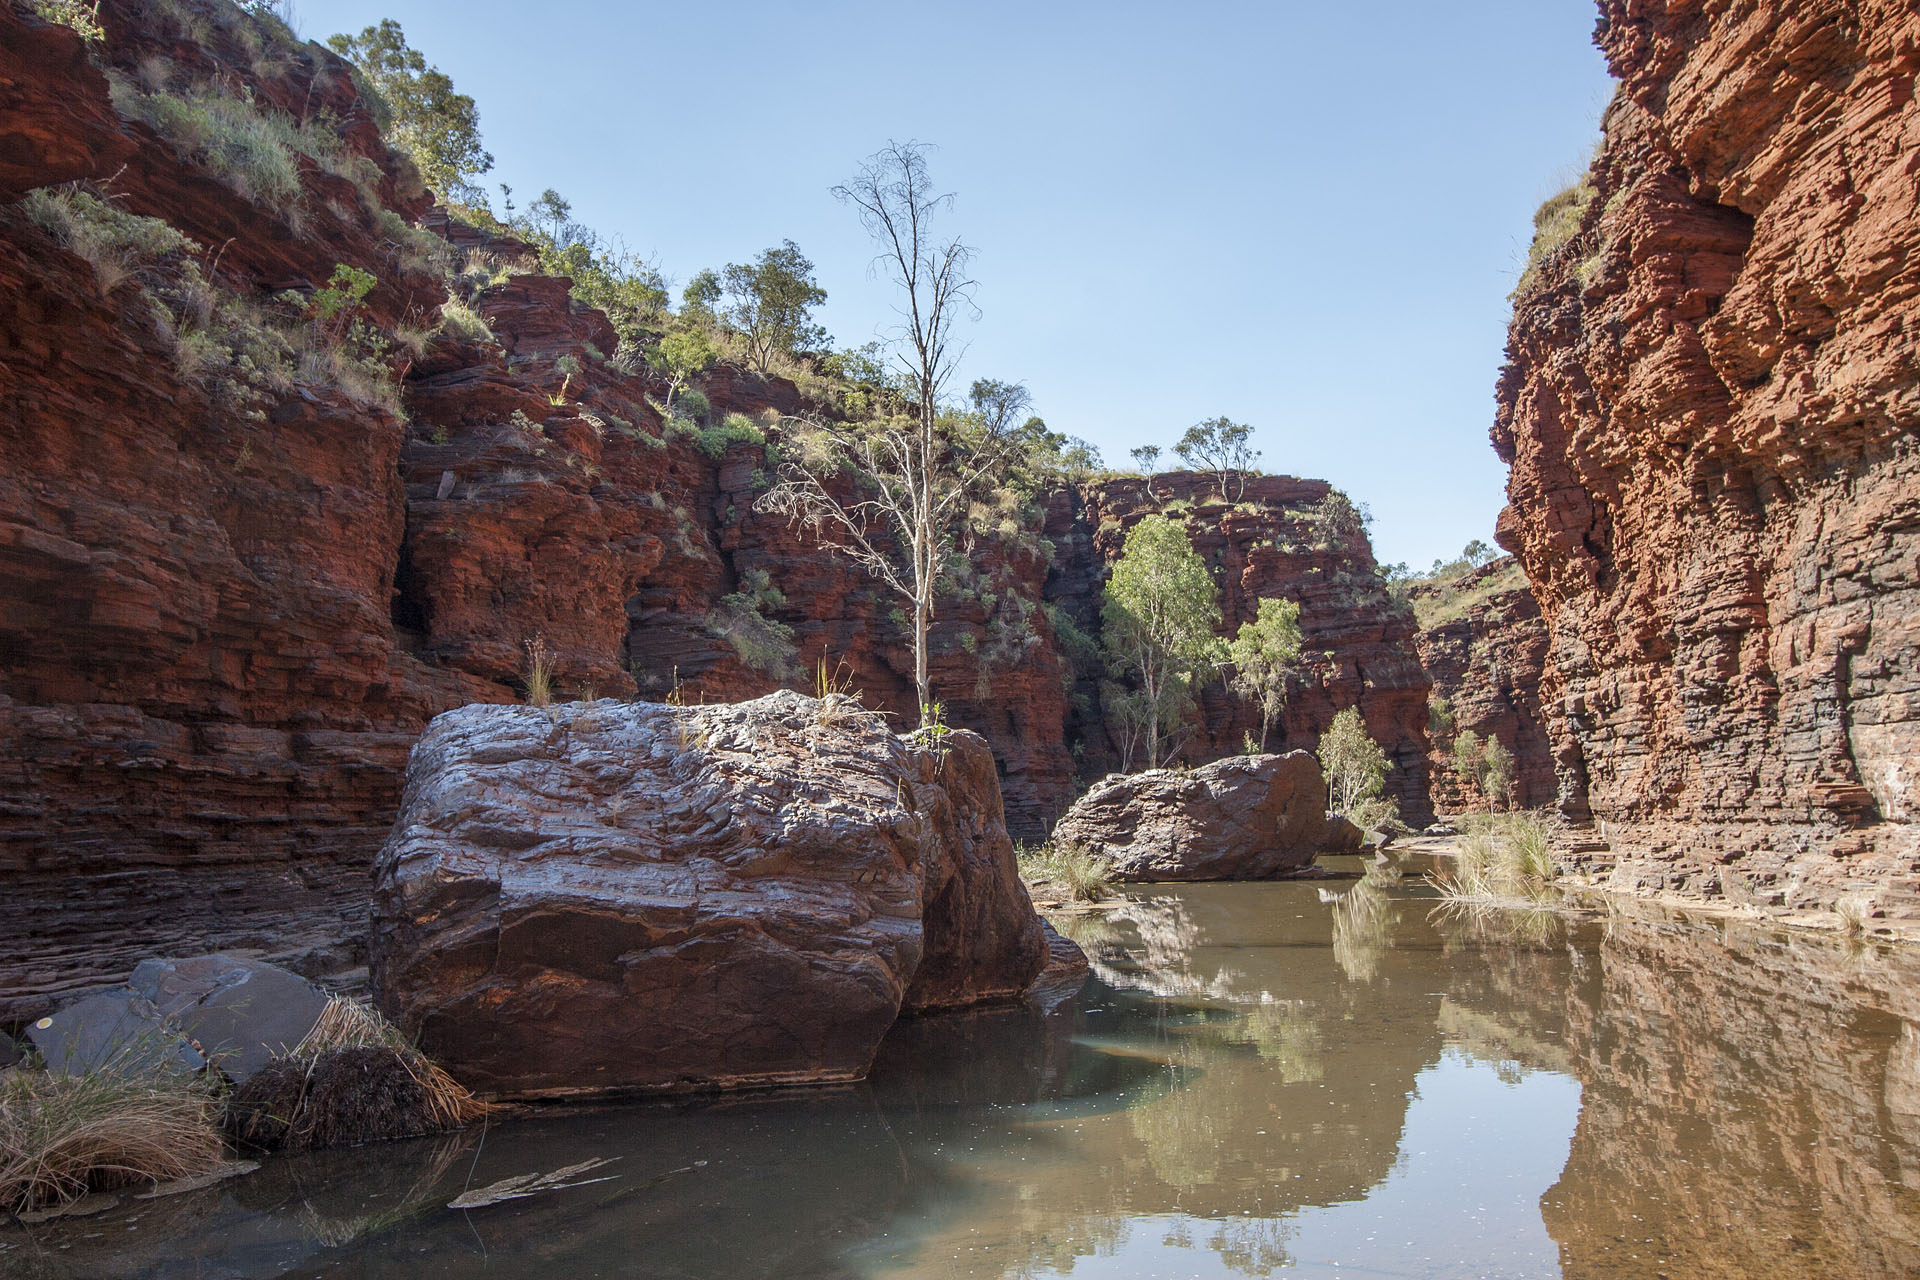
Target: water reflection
[[1264, 1079]]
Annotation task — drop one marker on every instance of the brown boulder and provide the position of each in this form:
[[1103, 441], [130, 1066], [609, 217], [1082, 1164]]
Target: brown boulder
[[605, 897], [1242, 818], [982, 939]]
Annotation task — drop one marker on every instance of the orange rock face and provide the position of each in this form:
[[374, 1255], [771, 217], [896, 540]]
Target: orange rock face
[[1709, 410], [1486, 662], [1271, 540]]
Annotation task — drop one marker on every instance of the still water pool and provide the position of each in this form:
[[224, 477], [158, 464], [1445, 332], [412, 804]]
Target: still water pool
[[1307, 1079]]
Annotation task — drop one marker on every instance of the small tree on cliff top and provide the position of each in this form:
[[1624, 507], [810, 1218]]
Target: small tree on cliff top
[[1159, 616], [1263, 654], [437, 127], [771, 302], [1220, 445]]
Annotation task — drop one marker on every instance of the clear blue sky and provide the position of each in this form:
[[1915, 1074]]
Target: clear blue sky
[[1305, 217]]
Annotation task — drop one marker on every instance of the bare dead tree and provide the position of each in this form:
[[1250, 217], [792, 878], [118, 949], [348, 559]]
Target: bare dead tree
[[889, 494]]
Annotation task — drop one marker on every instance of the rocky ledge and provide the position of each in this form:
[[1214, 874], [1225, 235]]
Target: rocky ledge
[[606, 897], [1243, 818]]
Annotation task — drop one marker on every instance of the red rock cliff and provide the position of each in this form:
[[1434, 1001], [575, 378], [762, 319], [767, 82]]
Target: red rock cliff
[[1709, 410], [223, 622], [1483, 643]]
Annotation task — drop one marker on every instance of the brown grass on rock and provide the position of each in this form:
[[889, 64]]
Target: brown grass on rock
[[354, 1079]]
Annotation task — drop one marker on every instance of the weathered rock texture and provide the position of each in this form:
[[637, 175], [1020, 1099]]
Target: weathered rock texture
[[1242, 818], [219, 635], [1709, 410], [605, 897], [1277, 537], [1482, 642]]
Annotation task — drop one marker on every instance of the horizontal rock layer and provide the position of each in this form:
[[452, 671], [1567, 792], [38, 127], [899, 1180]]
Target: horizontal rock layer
[[1709, 409]]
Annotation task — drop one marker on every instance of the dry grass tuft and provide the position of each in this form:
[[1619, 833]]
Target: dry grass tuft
[[1083, 875], [1504, 858], [62, 1135], [355, 1078]]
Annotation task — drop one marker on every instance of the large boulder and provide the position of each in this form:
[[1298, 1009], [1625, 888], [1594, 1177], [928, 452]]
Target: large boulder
[[1242, 818], [982, 939], [608, 897]]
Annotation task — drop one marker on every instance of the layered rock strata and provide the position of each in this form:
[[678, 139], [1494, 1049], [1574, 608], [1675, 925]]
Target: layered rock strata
[[1709, 409], [1483, 644], [1267, 536], [611, 897], [1242, 818]]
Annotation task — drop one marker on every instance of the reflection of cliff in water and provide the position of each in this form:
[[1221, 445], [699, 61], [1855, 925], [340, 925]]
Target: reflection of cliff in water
[[1780, 1075], [1751, 1099]]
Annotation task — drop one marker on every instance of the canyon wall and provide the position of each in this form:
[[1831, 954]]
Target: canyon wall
[[230, 599], [1483, 645], [1709, 410]]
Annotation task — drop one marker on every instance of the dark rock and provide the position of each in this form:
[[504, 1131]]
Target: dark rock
[[1066, 971], [1342, 836], [116, 1030], [1242, 818], [241, 1013], [982, 939]]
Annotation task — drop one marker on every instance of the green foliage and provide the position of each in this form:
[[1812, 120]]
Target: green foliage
[[680, 357], [1483, 764], [735, 428], [84, 18], [1504, 858], [1081, 874], [1146, 457], [1439, 715], [1554, 224], [423, 115], [118, 245], [770, 302], [251, 150], [1441, 597], [463, 322], [700, 300], [1337, 519], [1159, 614], [631, 292], [1081, 651], [1263, 655], [1220, 445], [1355, 765], [334, 307], [744, 619]]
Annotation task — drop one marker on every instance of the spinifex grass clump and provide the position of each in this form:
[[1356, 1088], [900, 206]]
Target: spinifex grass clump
[[1084, 876], [354, 1079], [62, 1136], [1504, 857]]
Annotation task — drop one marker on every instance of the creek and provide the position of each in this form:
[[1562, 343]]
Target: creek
[[1331, 1078]]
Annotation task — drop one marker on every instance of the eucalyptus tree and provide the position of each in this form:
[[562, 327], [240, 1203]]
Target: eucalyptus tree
[[1264, 653], [1158, 620]]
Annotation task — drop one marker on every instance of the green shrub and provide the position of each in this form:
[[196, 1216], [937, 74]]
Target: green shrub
[[743, 619], [463, 322], [63, 1135], [84, 18], [735, 428], [1085, 876], [118, 245]]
